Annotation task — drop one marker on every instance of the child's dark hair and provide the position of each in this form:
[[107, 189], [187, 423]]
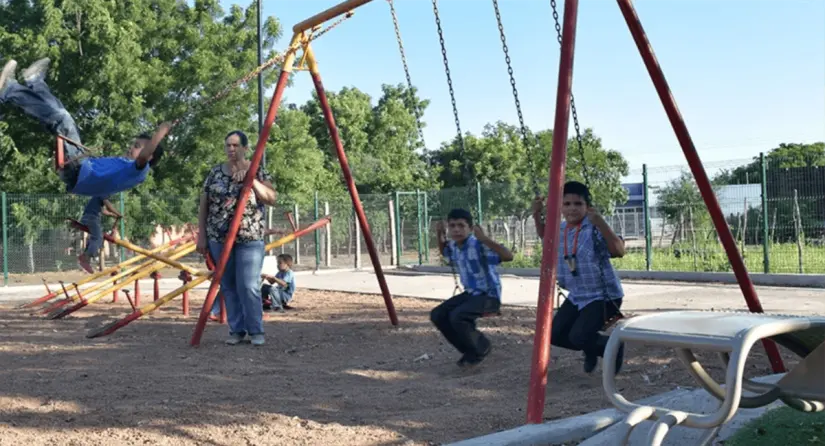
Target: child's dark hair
[[576, 188], [244, 139], [461, 214], [158, 150], [286, 258]]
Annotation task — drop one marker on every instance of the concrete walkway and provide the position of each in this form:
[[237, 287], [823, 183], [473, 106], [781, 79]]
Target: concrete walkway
[[520, 291]]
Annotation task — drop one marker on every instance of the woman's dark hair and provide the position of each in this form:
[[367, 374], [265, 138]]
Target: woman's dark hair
[[461, 214], [576, 188], [158, 150], [241, 135]]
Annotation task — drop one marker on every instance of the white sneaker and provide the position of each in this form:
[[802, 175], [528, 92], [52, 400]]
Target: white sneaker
[[258, 339], [234, 339], [36, 71], [8, 73]]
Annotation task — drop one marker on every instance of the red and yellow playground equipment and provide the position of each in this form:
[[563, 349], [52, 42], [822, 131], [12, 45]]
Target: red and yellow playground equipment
[[140, 312], [146, 264]]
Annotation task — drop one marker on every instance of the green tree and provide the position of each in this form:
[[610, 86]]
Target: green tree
[[122, 68]]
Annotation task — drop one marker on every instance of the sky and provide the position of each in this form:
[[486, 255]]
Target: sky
[[746, 74]]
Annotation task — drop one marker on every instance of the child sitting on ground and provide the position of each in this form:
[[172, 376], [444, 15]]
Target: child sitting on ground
[[595, 293], [475, 256], [96, 177], [280, 295]]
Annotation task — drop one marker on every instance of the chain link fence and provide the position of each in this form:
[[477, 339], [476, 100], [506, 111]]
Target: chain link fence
[[776, 215]]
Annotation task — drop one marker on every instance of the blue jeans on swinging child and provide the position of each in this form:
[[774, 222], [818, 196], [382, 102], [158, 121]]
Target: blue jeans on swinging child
[[37, 101]]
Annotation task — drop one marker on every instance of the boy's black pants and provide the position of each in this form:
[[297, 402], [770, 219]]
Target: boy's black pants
[[456, 319], [577, 330]]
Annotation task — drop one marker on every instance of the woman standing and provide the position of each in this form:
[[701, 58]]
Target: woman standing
[[240, 282]]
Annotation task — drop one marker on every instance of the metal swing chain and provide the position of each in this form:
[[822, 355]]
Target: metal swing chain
[[411, 96], [579, 142], [449, 78], [269, 63], [527, 144], [462, 151], [586, 176]]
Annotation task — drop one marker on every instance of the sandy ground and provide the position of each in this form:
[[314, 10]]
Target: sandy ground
[[333, 371]]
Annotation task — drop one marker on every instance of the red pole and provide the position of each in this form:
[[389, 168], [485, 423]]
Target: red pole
[[549, 258], [156, 275], [657, 75], [247, 188], [353, 192]]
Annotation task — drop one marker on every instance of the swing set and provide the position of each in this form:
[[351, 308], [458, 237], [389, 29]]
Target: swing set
[[307, 31]]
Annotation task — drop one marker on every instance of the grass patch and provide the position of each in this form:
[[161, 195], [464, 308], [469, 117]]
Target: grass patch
[[783, 426]]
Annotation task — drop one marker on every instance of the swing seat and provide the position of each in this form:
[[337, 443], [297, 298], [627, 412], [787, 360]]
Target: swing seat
[[731, 335]]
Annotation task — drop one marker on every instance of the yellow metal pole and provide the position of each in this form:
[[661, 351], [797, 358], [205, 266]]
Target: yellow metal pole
[[329, 14], [105, 272], [147, 253], [70, 299], [146, 309], [146, 272], [148, 262]]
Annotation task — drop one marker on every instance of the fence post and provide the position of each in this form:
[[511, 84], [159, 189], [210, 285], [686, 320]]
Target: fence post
[[418, 217], [398, 247], [478, 203], [648, 237], [122, 226], [426, 230], [393, 237], [317, 237], [297, 239], [766, 253], [328, 241], [358, 240], [5, 239]]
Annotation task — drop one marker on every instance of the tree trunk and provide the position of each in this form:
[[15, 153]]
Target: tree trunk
[[30, 245], [509, 239]]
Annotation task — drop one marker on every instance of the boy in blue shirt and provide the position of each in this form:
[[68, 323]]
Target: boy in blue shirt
[[96, 177], [281, 294], [594, 291], [475, 256]]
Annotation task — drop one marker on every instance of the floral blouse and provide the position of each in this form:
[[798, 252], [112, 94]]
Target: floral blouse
[[222, 197]]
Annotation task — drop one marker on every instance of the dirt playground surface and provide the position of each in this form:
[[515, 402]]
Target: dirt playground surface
[[333, 372]]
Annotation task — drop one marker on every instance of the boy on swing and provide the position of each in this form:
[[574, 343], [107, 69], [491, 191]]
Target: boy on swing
[[594, 291], [95, 177], [475, 256]]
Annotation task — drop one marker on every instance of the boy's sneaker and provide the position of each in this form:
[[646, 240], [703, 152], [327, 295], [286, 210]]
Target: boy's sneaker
[[7, 74], [36, 71], [235, 339], [84, 263], [590, 363], [258, 340]]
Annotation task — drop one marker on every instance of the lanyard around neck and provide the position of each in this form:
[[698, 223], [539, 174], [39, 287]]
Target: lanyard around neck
[[575, 241]]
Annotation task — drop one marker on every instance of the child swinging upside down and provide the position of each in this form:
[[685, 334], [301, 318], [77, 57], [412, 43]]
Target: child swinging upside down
[[595, 293], [95, 177], [475, 256]]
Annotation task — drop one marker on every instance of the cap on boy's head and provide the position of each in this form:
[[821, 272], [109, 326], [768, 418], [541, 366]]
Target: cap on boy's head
[[576, 188], [461, 214]]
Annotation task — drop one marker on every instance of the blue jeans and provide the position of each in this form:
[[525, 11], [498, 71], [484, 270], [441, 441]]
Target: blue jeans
[[240, 287], [36, 100], [92, 221]]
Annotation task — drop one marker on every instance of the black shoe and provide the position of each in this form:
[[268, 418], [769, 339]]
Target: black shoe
[[619, 358], [474, 360], [590, 363]]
